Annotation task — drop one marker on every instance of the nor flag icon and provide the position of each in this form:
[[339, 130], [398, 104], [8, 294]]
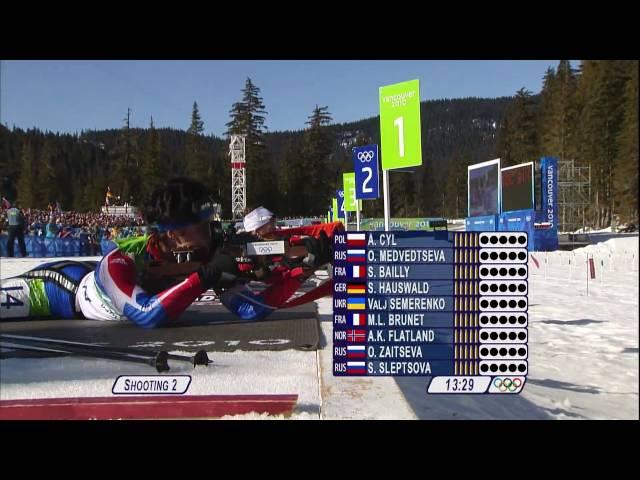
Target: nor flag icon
[[356, 336]]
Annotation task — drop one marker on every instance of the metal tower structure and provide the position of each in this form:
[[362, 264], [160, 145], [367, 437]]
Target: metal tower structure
[[238, 176], [574, 195]]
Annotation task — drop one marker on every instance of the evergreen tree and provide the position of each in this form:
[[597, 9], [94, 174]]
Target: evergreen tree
[[126, 180], [196, 162], [626, 175], [46, 191], [522, 135], [26, 195], [317, 150], [248, 118], [154, 170]]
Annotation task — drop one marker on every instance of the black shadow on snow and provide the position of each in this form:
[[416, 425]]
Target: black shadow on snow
[[572, 387], [581, 322]]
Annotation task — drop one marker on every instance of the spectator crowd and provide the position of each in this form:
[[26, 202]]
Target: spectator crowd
[[93, 227]]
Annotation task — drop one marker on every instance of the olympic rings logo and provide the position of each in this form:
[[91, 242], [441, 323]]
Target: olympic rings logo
[[507, 384], [265, 249], [366, 156]]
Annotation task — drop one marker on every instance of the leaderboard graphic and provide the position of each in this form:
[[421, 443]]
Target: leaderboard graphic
[[451, 306]]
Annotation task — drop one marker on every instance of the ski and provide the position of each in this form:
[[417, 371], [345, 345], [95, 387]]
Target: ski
[[200, 357], [158, 360]]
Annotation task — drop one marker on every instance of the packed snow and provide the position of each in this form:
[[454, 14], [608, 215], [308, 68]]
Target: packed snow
[[583, 357]]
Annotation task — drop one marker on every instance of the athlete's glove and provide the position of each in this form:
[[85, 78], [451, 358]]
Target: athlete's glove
[[221, 272], [319, 250]]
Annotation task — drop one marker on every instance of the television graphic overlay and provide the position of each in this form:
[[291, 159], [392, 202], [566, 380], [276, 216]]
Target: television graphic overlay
[[451, 306], [484, 188], [517, 187]]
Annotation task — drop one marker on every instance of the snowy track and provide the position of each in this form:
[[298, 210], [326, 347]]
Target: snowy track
[[583, 357]]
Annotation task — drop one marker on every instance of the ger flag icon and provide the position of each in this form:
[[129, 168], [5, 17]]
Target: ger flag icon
[[356, 288]]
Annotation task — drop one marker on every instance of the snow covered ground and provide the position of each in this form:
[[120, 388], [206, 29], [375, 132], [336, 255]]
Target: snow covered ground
[[583, 357]]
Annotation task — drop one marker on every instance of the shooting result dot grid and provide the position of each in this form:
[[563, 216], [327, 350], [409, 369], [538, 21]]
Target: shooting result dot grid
[[447, 305]]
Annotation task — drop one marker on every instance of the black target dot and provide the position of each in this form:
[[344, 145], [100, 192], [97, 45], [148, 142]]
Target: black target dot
[[512, 304], [493, 240], [522, 256], [512, 240], [483, 271], [484, 288], [484, 352], [503, 272], [512, 288], [503, 288], [503, 368], [512, 320], [503, 320], [522, 320], [512, 368], [503, 240], [483, 320], [494, 303], [484, 335], [522, 304], [483, 239], [512, 272], [522, 352], [503, 351], [521, 368], [522, 288], [503, 303], [494, 336], [494, 368], [494, 288], [484, 256], [503, 256], [493, 272], [484, 304], [522, 240], [512, 351], [503, 336], [494, 319], [512, 256], [512, 336], [494, 352], [522, 336], [484, 368], [493, 256], [522, 272]]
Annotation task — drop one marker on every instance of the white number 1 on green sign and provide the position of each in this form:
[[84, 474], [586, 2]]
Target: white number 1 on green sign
[[400, 124]]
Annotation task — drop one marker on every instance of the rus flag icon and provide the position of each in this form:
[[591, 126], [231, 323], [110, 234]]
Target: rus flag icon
[[356, 368], [357, 336], [357, 319], [358, 271], [356, 239], [356, 351], [356, 255]]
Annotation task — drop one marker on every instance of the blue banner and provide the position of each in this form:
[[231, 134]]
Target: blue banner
[[547, 235], [40, 247], [365, 165], [340, 199]]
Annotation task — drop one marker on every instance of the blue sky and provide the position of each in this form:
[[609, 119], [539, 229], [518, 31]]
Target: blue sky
[[68, 96]]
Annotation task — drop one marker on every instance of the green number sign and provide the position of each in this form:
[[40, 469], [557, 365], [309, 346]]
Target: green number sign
[[349, 186], [400, 125]]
